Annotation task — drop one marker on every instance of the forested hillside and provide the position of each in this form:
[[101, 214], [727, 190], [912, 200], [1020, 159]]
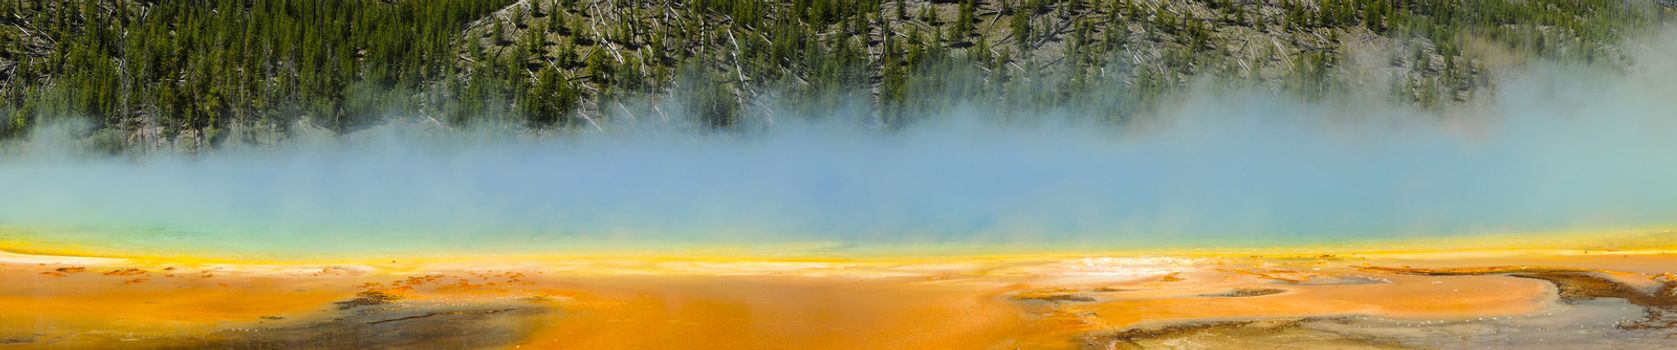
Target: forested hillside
[[192, 74]]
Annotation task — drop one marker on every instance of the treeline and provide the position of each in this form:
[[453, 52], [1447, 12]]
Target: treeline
[[194, 69], [205, 72]]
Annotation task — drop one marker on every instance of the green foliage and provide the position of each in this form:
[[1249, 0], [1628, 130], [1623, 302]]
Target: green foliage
[[1021, 24], [964, 20], [203, 68], [550, 100], [195, 65]]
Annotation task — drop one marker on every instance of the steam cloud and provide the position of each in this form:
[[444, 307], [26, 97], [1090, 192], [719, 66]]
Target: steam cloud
[[1558, 148]]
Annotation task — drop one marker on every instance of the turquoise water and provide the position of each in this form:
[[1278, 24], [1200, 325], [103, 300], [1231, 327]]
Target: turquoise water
[[1555, 152]]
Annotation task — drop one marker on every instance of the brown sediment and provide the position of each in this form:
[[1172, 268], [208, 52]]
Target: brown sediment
[[1134, 336], [1282, 275], [445, 313], [1405, 297], [1577, 284], [494, 325], [1664, 277], [14, 340], [1243, 334], [126, 272], [1247, 292], [367, 298], [1469, 271], [1171, 277], [1659, 306], [1054, 295], [1276, 333]]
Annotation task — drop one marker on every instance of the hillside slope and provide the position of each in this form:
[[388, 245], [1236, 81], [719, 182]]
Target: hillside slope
[[190, 74]]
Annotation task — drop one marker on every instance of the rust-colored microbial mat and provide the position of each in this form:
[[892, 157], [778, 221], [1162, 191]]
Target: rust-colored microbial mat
[[1385, 300]]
